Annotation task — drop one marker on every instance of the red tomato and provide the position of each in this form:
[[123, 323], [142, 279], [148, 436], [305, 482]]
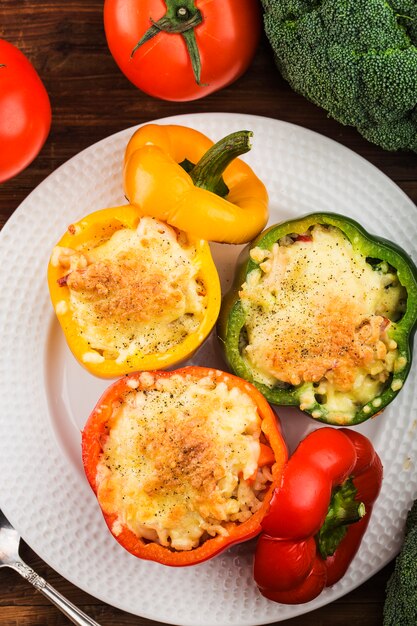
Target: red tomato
[[25, 111], [226, 39]]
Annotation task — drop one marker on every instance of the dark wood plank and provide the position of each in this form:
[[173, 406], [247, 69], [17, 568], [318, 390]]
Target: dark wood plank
[[21, 604]]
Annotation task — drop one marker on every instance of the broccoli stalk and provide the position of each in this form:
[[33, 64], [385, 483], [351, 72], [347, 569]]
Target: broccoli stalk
[[400, 608], [357, 59]]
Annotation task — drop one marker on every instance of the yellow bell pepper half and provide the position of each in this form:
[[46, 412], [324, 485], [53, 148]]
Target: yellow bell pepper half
[[180, 176], [124, 310]]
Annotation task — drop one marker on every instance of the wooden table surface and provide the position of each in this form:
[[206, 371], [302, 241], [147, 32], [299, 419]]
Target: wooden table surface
[[91, 99]]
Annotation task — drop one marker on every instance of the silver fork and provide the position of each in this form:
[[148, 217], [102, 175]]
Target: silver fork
[[9, 557]]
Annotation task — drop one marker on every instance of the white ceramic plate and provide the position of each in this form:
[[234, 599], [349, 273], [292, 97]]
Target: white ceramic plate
[[46, 396]]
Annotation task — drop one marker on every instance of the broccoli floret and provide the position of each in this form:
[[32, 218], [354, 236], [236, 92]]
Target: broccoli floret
[[400, 608], [357, 59]]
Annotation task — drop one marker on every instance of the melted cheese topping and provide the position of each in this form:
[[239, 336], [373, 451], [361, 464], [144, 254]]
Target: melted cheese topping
[[175, 464], [317, 312], [135, 292]]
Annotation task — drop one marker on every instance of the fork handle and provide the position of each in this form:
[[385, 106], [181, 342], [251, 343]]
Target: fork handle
[[73, 613]]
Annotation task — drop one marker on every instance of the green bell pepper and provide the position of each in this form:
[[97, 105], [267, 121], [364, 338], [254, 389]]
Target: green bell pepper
[[321, 316]]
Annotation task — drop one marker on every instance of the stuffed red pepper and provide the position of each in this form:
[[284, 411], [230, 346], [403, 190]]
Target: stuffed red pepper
[[183, 463]]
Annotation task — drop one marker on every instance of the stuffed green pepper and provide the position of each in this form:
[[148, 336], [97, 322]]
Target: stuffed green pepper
[[322, 316]]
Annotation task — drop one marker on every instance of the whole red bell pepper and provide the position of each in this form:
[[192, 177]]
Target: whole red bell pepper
[[317, 516]]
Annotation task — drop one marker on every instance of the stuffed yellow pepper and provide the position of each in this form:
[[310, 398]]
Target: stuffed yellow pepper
[[131, 292]]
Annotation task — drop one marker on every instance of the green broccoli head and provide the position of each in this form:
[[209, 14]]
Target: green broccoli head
[[400, 608], [355, 58]]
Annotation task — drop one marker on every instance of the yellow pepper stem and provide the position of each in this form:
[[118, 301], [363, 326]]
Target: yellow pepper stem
[[207, 174]]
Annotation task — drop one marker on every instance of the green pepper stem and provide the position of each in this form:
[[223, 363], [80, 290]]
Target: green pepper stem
[[208, 172], [343, 510]]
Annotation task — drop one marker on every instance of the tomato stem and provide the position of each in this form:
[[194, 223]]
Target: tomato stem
[[190, 41], [183, 13], [181, 18]]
